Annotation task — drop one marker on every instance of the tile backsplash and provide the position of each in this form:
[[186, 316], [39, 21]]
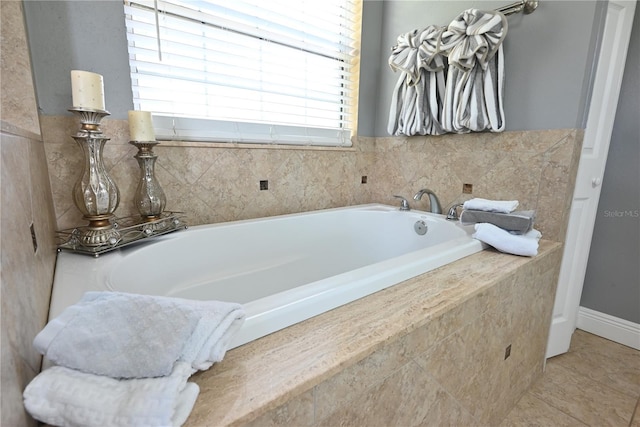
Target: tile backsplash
[[216, 182]]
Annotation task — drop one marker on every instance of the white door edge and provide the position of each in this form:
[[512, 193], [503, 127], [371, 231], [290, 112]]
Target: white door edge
[[593, 159]]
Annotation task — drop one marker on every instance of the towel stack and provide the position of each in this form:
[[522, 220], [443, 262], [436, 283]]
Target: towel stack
[[124, 359], [498, 224]]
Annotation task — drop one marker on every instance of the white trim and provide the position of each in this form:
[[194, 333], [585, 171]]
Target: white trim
[[609, 327], [173, 128]]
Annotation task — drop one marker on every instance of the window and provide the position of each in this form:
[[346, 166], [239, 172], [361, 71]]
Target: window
[[276, 71]]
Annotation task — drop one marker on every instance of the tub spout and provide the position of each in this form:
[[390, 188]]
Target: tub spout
[[434, 203]]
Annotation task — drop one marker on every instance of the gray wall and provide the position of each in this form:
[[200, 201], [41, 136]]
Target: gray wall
[[78, 35], [370, 65], [612, 282], [548, 56]]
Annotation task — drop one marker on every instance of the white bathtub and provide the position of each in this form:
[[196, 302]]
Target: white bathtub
[[283, 269]]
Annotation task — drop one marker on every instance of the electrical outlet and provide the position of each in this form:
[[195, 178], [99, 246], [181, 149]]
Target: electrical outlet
[[507, 352], [467, 188]]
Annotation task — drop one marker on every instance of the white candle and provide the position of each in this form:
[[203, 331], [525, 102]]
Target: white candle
[[141, 126], [87, 90]]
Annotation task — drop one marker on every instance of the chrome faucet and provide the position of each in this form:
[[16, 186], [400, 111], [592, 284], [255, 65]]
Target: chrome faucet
[[434, 203], [404, 204], [453, 212]]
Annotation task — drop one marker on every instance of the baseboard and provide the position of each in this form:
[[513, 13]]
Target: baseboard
[[609, 327]]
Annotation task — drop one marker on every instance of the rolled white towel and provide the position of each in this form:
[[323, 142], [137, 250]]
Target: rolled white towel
[[123, 335], [503, 206], [502, 240], [65, 397]]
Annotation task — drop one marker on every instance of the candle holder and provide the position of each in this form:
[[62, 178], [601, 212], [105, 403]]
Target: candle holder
[[95, 194], [149, 198]]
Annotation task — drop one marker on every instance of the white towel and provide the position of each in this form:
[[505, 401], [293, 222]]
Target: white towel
[[66, 397], [503, 206], [502, 240], [123, 335]]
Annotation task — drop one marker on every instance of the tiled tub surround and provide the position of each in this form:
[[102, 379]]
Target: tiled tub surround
[[221, 182], [26, 272], [429, 351], [430, 347]]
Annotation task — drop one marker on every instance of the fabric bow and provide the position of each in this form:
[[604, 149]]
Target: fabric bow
[[474, 38], [416, 50]]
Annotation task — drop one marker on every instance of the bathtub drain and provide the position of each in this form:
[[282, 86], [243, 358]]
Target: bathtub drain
[[420, 227]]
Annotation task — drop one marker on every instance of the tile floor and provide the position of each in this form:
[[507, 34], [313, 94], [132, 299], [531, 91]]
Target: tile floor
[[597, 383]]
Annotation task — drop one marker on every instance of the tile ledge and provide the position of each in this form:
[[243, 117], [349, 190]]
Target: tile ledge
[[9, 128]]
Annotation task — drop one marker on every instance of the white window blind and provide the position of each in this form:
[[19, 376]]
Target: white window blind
[[264, 71]]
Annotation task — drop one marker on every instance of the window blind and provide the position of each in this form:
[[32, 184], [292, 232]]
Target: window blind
[[276, 71]]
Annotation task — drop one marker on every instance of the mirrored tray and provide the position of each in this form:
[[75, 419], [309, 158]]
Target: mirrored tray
[[128, 230]]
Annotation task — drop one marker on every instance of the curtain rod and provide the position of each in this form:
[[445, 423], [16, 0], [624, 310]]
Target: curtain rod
[[524, 6]]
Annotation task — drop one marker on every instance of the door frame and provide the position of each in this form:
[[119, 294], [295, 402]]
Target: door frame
[[593, 159]]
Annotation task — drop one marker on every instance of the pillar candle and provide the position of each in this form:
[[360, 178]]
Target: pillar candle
[[87, 90], [141, 126]]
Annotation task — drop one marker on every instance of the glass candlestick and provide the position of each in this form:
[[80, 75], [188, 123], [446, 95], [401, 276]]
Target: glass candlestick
[[149, 199], [95, 194]]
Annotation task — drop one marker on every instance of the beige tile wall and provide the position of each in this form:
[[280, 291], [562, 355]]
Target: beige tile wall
[[452, 371], [26, 273], [221, 183]]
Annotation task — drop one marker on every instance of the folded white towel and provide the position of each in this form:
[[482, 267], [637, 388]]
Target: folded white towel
[[504, 206], [65, 397], [123, 335], [502, 240]]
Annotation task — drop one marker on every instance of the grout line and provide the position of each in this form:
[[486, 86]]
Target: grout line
[[550, 402], [450, 394], [635, 414], [605, 343], [561, 410]]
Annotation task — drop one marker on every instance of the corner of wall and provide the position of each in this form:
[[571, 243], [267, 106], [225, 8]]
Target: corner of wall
[[27, 224]]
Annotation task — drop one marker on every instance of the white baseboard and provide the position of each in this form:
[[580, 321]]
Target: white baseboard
[[609, 327]]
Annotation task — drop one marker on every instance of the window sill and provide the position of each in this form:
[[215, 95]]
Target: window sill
[[240, 145]]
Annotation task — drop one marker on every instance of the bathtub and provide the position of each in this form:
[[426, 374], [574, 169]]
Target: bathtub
[[283, 269]]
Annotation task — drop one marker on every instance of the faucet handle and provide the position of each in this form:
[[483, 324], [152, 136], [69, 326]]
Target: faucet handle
[[453, 211], [404, 204]]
